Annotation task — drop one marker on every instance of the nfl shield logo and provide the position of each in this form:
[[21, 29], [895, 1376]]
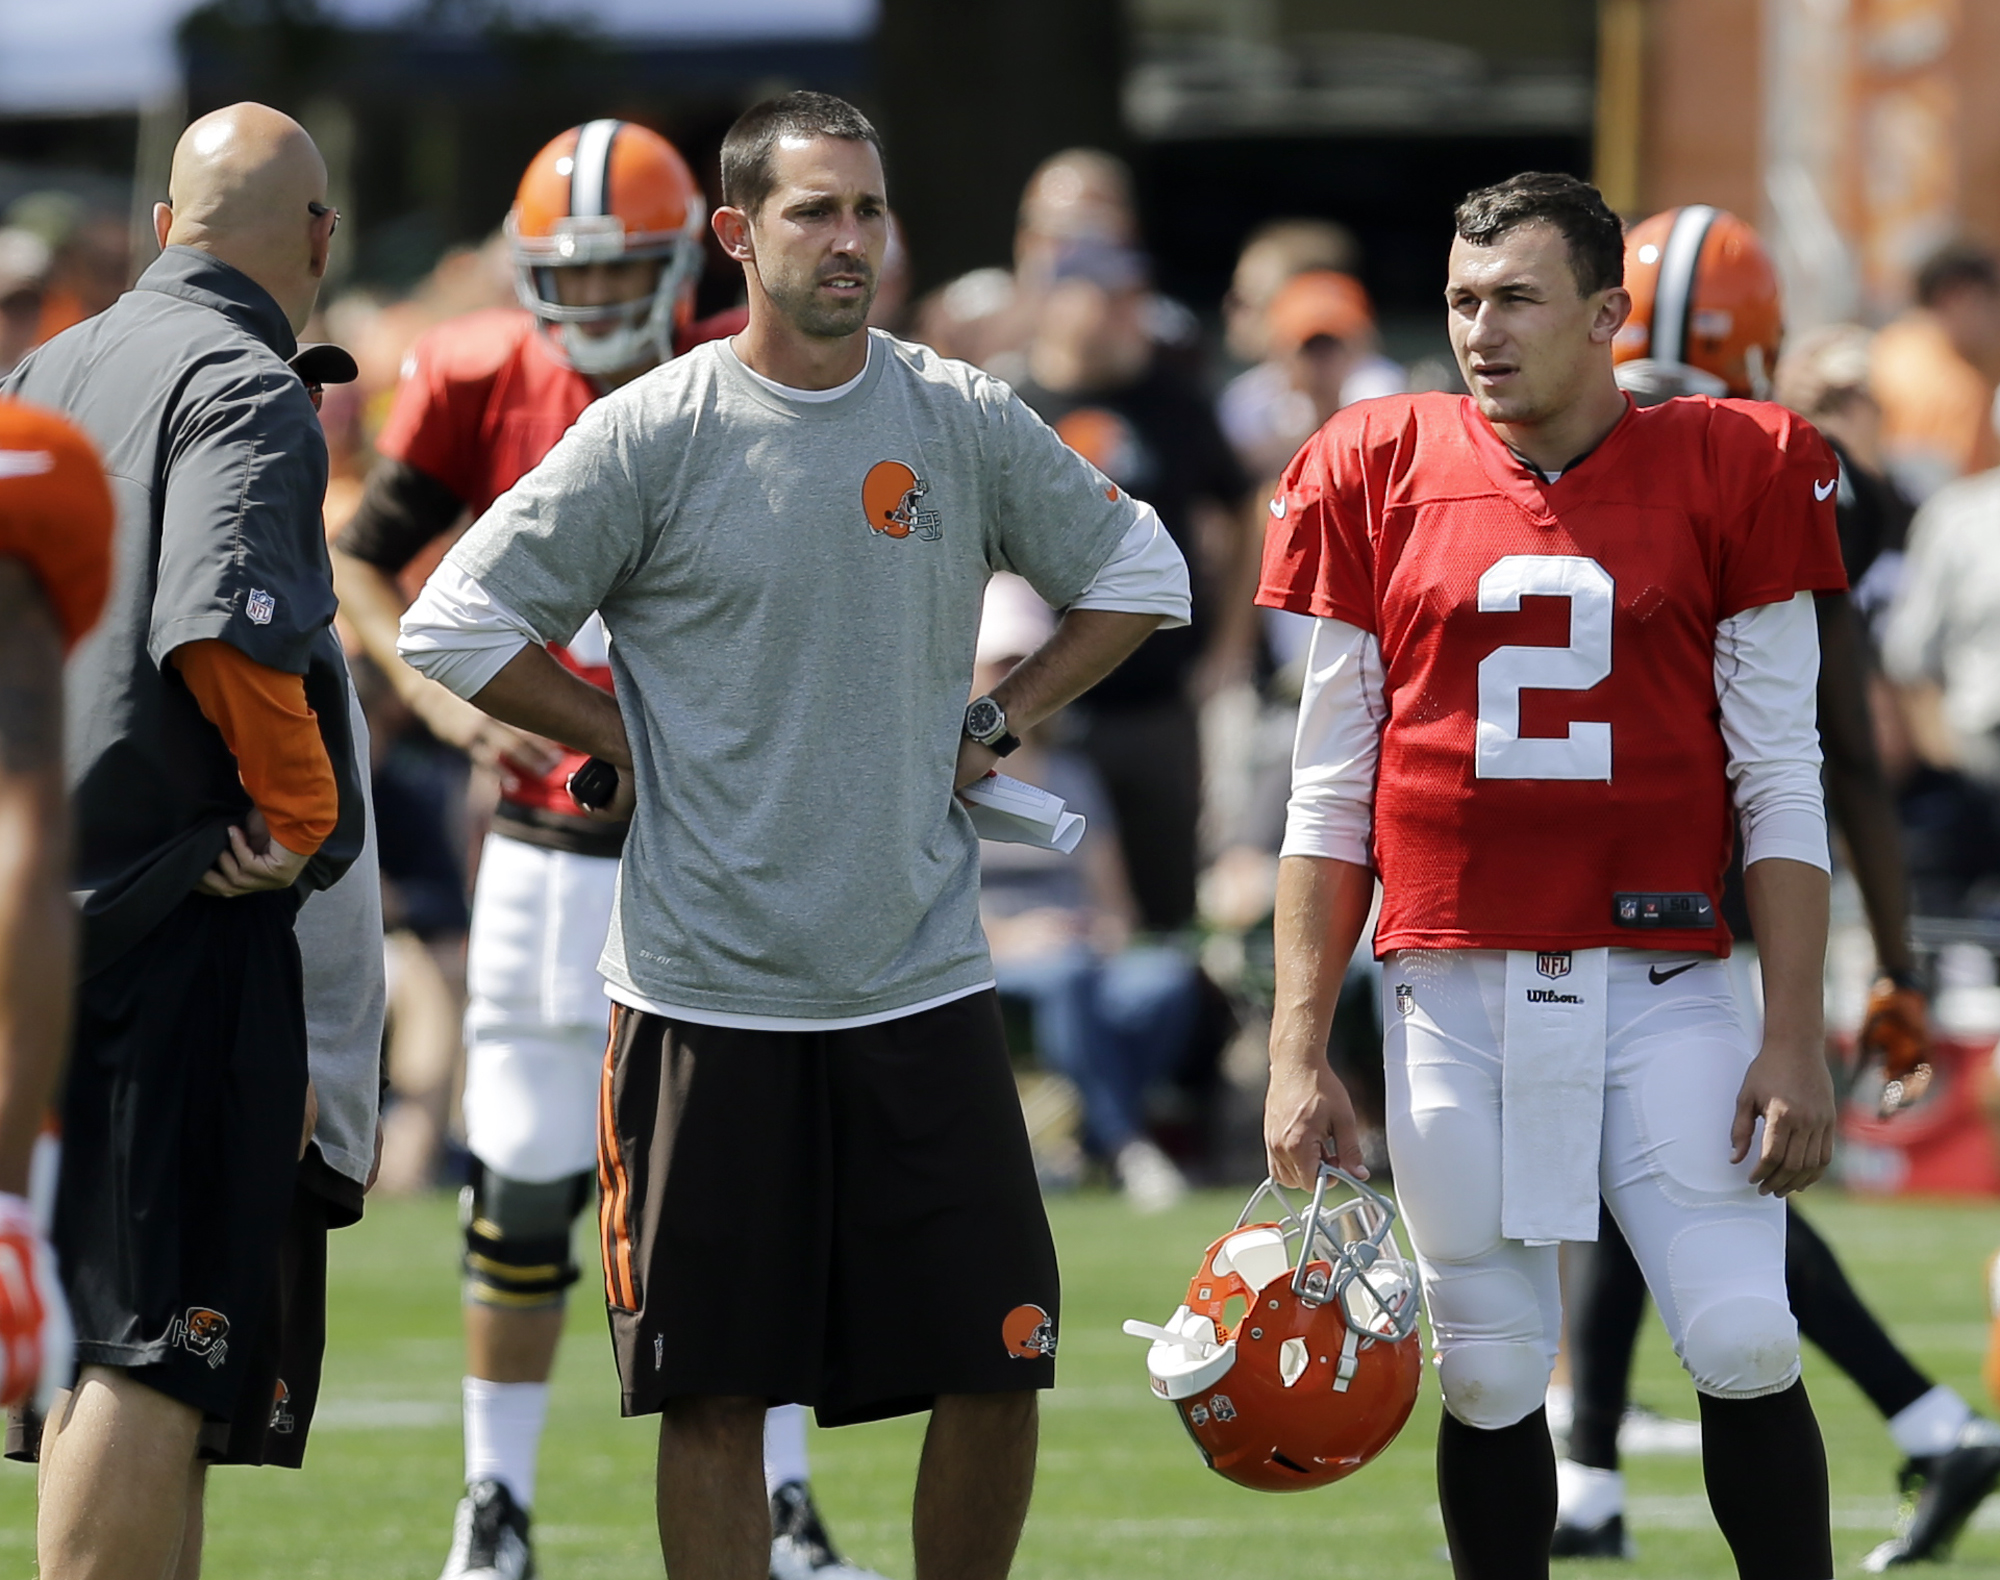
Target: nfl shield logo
[[1405, 999], [260, 606], [1553, 963], [1628, 910]]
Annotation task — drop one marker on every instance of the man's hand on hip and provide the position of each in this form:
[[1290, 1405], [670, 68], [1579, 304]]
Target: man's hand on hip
[[975, 762], [243, 868], [1789, 1088]]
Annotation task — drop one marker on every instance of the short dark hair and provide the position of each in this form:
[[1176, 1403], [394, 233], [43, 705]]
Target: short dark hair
[[1575, 208], [747, 176], [1956, 263]]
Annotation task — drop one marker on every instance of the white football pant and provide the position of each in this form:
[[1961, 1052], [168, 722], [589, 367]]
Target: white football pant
[[1712, 1249], [536, 1018]]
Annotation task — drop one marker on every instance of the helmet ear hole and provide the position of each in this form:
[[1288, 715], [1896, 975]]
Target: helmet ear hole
[[1234, 1310]]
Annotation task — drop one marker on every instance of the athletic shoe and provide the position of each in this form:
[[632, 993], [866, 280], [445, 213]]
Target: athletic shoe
[[1152, 1183], [1592, 1541], [800, 1547], [489, 1537], [1644, 1431], [1940, 1494]]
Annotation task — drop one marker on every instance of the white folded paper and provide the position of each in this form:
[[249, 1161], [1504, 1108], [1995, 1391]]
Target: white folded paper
[[1015, 812]]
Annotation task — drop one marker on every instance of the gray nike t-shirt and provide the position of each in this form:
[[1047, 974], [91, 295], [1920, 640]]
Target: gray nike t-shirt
[[793, 592]]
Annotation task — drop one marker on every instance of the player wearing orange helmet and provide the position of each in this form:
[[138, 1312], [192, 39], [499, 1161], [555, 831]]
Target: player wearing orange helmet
[[55, 568], [1704, 298], [606, 236], [1706, 321]]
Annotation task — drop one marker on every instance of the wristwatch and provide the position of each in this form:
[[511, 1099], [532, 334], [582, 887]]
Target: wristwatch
[[986, 723]]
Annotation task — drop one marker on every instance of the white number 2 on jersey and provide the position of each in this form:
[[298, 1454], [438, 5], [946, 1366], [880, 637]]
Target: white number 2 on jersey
[[1585, 753]]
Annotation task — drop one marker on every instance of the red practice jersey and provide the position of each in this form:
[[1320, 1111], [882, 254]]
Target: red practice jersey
[[55, 513], [1553, 739], [483, 398]]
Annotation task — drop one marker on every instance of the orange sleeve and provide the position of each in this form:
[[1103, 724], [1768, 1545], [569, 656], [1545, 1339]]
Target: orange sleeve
[[264, 720]]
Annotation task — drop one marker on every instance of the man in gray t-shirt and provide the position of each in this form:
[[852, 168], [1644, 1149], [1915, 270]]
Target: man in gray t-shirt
[[788, 536]]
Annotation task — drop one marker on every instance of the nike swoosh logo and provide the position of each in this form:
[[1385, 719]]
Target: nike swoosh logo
[[1656, 976], [1824, 491], [1279, 506]]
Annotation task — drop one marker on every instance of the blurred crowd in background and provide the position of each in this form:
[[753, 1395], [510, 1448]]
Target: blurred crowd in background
[[1136, 975]]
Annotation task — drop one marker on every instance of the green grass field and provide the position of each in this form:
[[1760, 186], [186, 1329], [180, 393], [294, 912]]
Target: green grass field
[[1122, 1492]]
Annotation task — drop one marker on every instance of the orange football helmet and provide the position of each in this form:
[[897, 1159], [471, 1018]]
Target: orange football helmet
[[1704, 296], [608, 192], [1315, 1369]]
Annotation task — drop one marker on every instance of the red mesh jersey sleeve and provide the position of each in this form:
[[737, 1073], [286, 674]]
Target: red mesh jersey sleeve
[[1318, 556], [1778, 537], [436, 421], [56, 513]]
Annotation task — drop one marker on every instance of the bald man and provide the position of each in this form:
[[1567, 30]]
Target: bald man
[[214, 785]]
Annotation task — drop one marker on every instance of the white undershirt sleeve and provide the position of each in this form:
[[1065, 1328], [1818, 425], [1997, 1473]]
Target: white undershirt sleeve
[[459, 634], [1146, 574], [1767, 683], [1341, 711]]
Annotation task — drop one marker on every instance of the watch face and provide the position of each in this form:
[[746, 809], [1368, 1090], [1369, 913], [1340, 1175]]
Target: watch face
[[983, 718]]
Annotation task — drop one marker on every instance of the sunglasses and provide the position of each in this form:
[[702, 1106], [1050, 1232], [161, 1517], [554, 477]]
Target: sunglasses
[[320, 211]]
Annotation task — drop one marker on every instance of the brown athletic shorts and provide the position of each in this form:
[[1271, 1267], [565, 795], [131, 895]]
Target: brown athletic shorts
[[845, 1219]]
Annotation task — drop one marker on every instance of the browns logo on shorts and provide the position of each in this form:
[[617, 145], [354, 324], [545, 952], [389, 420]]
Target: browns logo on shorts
[[1028, 1333]]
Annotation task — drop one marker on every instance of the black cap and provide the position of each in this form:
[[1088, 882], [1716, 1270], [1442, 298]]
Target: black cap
[[325, 363]]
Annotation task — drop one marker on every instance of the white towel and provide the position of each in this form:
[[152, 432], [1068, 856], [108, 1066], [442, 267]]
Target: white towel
[[1552, 1093]]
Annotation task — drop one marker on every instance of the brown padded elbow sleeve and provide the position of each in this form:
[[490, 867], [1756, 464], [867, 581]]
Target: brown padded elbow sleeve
[[274, 736]]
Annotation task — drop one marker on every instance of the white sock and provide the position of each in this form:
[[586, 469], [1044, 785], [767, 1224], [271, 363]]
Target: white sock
[[1931, 1425], [784, 1446], [1586, 1496], [503, 1431]]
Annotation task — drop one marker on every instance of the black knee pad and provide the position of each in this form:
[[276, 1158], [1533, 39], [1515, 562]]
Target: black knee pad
[[517, 1238]]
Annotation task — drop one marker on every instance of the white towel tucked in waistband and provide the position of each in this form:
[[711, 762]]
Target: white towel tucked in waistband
[[1552, 1093]]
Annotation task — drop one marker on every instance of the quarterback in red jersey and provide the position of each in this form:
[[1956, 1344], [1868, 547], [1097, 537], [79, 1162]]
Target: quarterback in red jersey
[[606, 233], [1564, 651]]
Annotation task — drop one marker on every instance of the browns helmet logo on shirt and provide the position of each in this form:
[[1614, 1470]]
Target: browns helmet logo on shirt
[[892, 499], [1028, 1333]]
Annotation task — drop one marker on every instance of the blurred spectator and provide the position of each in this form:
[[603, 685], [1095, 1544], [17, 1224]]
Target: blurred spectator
[[1112, 1017], [90, 270], [1942, 648], [1266, 411], [1094, 375], [24, 272], [1824, 377], [1276, 251], [1942, 643], [1320, 354], [1079, 196], [1935, 370]]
